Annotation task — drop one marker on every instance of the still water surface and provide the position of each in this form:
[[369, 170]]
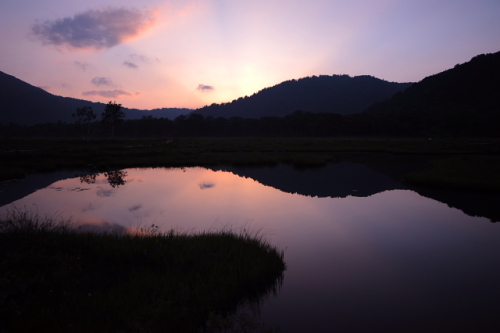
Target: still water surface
[[363, 252]]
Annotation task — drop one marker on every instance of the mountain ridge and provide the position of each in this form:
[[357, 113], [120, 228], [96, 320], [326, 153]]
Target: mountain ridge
[[455, 102], [341, 94], [25, 104]]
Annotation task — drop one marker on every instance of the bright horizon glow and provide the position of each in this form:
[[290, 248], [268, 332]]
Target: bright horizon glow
[[183, 53]]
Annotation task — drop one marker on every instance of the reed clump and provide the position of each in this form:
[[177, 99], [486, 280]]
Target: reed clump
[[53, 278]]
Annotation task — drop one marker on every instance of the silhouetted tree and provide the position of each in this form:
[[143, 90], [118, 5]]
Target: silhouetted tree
[[85, 116], [112, 116]]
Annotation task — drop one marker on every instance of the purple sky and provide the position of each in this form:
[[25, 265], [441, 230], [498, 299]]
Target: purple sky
[[182, 53]]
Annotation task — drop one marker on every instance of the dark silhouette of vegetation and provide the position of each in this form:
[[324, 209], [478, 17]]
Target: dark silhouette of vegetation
[[297, 124], [85, 117], [112, 116], [57, 278]]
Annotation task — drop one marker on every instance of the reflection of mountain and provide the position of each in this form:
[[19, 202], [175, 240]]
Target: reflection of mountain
[[335, 180], [372, 174], [15, 190], [472, 204]]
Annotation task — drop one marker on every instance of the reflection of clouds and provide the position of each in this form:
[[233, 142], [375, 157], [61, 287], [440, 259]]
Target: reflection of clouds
[[79, 189], [206, 185], [134, 208], [55, 188], [105, 193], [89, 207]]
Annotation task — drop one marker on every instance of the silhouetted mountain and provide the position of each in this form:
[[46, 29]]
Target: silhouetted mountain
[[25, 104], [461, 101], [339, 94]]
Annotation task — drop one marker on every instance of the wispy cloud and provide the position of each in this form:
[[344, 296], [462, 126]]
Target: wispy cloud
[[130, 64], [206, 185], [95, 29], [142, 58], [204, 88], [102, 81], [82, 65], [107, 93]]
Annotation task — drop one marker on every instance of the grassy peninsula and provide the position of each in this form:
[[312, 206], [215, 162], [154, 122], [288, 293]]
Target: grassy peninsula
[[55, 279]]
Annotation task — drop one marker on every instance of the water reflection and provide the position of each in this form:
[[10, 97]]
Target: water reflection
[[337, 180], [89, 178], [115, 177], [392, 260]]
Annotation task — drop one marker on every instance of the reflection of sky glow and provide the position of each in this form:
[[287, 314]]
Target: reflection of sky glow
[[392, 254]]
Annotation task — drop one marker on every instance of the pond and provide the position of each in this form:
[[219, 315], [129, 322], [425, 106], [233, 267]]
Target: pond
[[363, 251]]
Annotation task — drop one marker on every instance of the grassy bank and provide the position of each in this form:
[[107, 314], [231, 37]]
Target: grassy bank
[[53, 279], [459, 169]]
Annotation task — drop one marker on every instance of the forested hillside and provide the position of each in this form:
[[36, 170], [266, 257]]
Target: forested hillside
[[339, 94], [24, 104]]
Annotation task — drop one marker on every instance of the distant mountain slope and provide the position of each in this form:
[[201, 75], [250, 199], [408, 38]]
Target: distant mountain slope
[[25, 104], [340, 94], [452, 102]]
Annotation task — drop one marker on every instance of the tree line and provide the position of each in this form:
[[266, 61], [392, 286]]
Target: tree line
[[461, 123]]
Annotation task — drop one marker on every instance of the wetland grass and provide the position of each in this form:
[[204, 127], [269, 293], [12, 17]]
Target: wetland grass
[[53, 278], [453, 163]]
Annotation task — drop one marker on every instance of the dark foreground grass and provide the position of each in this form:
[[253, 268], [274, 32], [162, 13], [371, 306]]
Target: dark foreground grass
[[53, 279], [458, 171]]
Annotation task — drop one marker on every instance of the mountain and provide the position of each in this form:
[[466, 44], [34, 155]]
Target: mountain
[[461, 101], [25, 104], [339, 94]]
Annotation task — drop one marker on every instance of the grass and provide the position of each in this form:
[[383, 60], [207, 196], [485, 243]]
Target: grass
[[472, 173], [53, 278], [19, 157]]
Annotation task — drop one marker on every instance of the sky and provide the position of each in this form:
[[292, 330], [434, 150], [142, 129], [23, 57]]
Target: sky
[[191, 53]]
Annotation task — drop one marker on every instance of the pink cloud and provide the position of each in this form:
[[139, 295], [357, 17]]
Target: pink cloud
[[130, 64], [95, 29], [204, 88], [102, 81], [107, 93]]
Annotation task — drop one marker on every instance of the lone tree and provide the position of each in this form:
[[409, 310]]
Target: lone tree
[[85, 117], [112, 116]]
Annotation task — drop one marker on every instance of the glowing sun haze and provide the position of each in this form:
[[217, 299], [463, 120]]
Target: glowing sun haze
[[183, 53]]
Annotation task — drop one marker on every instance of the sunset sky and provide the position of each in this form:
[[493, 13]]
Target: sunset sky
[[187, 53]]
